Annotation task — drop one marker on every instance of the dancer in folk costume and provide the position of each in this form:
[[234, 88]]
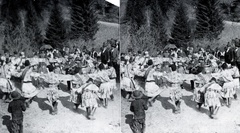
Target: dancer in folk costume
[[152, 90], [212, 97], [127, 82], [198, 95], [106, 86], [138, 107], [29, 91], [235, 74], [175, 80], [76, 93], [6, 85], [89, 98], [52, 89], [228, 86], [112, 83]]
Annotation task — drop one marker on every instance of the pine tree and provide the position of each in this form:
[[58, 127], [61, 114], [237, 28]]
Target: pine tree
[[56, 32], [32, 27], [135, 14], [181, 31], [77, 28], [209, 21], [84, 18], [157, 24], [90, 20]]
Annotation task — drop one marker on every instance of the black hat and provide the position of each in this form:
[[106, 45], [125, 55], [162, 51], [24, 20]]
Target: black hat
[[15, 95], [150, 62], [27, 63], [137, 94]]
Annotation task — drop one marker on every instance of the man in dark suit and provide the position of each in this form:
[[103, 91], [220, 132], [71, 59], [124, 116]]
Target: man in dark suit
[[105, 54], [229, 54], [114, 58]]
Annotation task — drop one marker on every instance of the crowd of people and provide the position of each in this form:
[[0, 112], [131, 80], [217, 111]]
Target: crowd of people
[[212, 75], [91, 77]]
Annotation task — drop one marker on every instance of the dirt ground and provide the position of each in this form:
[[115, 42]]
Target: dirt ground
[[161, 119], [37, 118]]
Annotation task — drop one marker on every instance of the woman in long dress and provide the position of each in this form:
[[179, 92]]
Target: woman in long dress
[[212, 97], [152, 90], [29, 90], [228, 86], [90, 98], [127, 82], [76, 93], [107, 85], [6, 85]]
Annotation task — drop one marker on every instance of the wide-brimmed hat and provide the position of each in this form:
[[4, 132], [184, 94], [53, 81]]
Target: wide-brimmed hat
[[15, 95], [150, 62], [137, 94], [27, 63]]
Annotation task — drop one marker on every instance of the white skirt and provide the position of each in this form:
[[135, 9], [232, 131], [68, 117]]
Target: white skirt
[[6, 86], [106, 89], [152, 89], [29, 90], [127, 85], [228, 90]]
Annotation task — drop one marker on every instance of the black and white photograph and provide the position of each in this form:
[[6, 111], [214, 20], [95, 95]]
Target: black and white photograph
[[180, 66], [119, 66], [59, 66]]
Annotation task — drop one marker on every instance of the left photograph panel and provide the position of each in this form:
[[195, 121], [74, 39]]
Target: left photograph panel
[[59, 66]]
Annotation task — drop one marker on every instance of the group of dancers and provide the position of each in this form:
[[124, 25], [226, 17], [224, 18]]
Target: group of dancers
[[90, 76], [214, 80]]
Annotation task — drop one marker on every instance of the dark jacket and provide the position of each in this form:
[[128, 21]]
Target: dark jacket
[[105, 56], [138, 107], [114, 55], [16, 108], [230, 55]]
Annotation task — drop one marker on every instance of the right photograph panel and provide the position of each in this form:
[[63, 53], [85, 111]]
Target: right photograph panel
[[180, 62]]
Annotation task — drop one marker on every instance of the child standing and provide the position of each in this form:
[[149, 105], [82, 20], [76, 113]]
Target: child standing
[[138, 107], [16, 108]]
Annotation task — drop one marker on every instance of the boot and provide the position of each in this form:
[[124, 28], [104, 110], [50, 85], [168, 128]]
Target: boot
[[76, 106], [211, 112], [112, 97], [229, 102], [56, 108], [92, 113], [215, 112], [235, 96], [106, 102], [88, 112]]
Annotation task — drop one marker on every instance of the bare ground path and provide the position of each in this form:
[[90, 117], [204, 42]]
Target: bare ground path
[[161, 119], [37, 118]]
